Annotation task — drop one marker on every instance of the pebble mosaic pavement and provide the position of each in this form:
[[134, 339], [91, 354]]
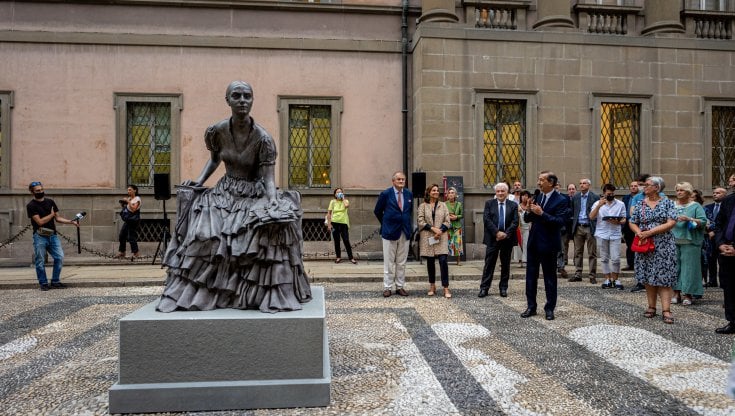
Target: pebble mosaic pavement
[[409, 356]]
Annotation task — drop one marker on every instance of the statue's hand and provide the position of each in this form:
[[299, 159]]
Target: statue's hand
[[190, 182]]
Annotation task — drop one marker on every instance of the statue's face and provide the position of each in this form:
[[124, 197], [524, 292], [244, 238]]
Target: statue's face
[[240, 98]]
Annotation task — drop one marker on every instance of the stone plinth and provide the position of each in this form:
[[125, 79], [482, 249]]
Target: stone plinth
[[222, 359]]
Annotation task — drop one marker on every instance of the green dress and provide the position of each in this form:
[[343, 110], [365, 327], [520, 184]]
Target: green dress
[[455, 230], [689, 241]]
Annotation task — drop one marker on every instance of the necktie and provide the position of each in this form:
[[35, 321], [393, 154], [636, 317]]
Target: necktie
[[400, 202], [501, 214], [543, 201], [716, 210], [730, 226]]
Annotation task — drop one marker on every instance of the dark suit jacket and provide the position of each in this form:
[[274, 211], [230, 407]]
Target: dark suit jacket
[[392, 220], [490, 220], [544, 235], [723, 218], [577, 206], [709, 211]]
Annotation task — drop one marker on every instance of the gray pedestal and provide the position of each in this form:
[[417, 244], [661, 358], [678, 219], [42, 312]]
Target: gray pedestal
[[222, 359]]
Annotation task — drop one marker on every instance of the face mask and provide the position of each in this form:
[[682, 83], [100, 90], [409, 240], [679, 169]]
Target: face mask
[[39, 195], [609, 197], [340, 195]]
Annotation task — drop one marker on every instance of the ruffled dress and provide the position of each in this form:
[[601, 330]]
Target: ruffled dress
[[231, 248]]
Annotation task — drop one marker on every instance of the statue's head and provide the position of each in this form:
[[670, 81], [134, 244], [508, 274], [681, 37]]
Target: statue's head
[[239, 96]]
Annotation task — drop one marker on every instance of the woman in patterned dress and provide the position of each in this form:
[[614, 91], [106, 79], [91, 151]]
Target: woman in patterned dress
[[456, 213], [654, 217], [237, 244]]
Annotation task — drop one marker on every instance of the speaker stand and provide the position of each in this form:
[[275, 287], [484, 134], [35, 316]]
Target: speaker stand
[[163, 239]]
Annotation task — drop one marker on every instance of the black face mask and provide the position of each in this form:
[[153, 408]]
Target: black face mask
[[609, 197], [39, 195]]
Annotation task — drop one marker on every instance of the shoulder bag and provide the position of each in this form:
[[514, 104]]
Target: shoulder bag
[[642, 246]]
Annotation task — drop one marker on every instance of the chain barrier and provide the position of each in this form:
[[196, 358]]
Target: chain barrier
[[15, 237], [111, 256], [354, 246], [99, 253]]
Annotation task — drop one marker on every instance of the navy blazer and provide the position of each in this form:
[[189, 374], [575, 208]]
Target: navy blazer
[[545, 235], [709, 211], [392, 220], [577, 206], [490, 221], [723, 218]]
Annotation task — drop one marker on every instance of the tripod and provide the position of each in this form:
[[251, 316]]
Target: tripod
[[163, 239]]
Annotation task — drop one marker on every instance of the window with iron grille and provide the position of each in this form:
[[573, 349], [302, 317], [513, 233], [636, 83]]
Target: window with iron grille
[[148, 126], [151, 229], [723, 144], [504, 141], [310, 141], [620, 137], [314, 230], [5, 105]]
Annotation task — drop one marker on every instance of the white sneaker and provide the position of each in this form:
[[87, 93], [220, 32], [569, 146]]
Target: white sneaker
[[674, 300]]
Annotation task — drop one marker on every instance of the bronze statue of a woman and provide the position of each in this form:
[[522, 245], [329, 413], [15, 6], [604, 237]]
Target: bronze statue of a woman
[[238, 244]]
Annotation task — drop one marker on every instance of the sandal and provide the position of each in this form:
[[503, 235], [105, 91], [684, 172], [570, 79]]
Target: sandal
[[650, 312], [447, 293], [668, 319], [338, 261], [687, 302], [120, 255], [353, 261]]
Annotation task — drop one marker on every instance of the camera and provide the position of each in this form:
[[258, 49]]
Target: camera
[[122, 201]]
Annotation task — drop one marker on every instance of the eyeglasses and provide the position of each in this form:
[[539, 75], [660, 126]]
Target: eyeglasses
[[36, 183], [646, 185]]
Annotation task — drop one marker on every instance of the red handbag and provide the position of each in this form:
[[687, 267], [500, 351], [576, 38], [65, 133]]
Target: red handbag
[[642, 247], [646, 245]]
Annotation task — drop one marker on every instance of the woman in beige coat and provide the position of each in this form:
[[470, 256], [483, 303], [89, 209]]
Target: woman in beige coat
[[434, 222]]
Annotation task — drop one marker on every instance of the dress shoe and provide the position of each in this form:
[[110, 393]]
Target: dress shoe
[[482, 294], [528, 313], [575, 278], [638, 288], [58, 285], [709, 284], [593, 280], [386, 293], [549, 315], [727, 329], [401, 292], [563, 273], [503, 293], [45, 288]]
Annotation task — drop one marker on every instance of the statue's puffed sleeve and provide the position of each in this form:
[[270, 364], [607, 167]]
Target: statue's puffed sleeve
[[267, 154], [211, 140]]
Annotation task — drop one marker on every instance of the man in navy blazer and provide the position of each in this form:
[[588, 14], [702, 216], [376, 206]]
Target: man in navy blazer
[[500, 238], [393, 210], [547, 214], [724, 242], [711, 210]]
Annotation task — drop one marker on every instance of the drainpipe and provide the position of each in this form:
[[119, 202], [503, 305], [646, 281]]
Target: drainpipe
[[404, 87]]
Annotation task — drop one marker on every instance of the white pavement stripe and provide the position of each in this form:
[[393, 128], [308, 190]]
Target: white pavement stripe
[[687, 374], [499, 382], [17, 346]]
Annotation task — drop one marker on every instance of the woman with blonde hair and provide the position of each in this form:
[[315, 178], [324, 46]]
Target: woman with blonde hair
[[689, 234], [433, 219], [456, 212]]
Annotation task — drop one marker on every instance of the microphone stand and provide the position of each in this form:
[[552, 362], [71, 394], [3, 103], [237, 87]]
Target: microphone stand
[[79, 239]]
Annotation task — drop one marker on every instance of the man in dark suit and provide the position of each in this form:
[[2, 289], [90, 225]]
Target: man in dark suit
[[724, 239], [393, 210], [500, 220], [547, 214], [711, 211], [583, 230], [628, 235]]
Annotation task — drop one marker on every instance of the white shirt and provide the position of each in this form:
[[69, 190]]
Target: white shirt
[[605, 230]]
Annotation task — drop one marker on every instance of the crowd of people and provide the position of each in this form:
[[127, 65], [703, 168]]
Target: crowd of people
[[673, 246]]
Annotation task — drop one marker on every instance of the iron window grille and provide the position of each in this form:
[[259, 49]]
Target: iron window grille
[[620, 134], [148, 133], [723, 144], [309, 146], [504, 141]]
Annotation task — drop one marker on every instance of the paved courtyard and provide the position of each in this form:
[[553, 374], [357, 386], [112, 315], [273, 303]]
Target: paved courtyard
[[409, 356]]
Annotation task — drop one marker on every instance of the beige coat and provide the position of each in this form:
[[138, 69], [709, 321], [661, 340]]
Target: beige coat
[[441, 217]]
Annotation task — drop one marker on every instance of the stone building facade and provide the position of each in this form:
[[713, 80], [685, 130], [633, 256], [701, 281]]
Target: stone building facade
[[485, 90]]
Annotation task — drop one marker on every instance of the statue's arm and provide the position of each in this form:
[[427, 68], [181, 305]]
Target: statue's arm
[[208, 169], [268, 173]]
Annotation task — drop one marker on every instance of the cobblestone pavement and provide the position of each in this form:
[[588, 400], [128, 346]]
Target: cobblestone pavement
[[409, 356]]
